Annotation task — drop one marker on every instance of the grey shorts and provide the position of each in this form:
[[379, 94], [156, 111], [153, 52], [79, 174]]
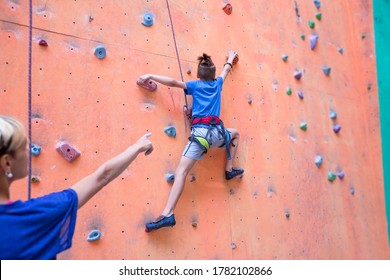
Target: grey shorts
[[215, 139]]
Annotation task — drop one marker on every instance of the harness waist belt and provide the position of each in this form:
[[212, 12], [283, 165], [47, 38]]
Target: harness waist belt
[[214, 120]]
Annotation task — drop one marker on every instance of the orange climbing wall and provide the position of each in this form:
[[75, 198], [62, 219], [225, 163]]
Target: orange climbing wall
[[96, 106]]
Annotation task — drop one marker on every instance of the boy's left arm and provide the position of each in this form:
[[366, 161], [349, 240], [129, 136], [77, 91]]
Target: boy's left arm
[[228, 65]]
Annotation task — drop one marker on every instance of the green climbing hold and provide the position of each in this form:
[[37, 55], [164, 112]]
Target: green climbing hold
[[331, 176], [303, 126], [319, 16], [303, 37], [285, 57], [311, 24], [289, 91]]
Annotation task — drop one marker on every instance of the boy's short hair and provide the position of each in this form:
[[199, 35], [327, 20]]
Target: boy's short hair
[[206, 68]]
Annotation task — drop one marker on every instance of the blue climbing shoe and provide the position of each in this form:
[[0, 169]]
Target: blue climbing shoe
[[161, 221], [235, 172]]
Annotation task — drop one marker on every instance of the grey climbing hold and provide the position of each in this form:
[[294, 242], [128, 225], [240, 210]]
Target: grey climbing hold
[[100, 52], [35, 179], [170, 131], [35, 150], [94, 235], [317, 3], [287, 214], [233, 245], [303, 37], [326, 70], [318, 160], [341, 50], [300, 94], [313, 41], [331, 176], [336, 128], [352, 190], [192, 178], [298, 75], [170, 177], [148, 19], [333, 114]]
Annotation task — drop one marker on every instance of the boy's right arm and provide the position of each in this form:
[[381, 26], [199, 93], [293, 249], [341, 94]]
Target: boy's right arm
[[167, 81]]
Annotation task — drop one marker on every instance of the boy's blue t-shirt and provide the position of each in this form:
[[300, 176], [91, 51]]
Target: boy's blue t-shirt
[[39, 228], [206, 97]]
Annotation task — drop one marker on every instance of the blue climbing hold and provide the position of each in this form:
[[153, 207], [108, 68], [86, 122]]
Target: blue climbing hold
[[318, 160], [341, 50], [35, 150], [94, 235], [317, 3], [300, 94], [170, 131], [333, 115], [313, 41], [100, 52], [170, 177], [148, 19], [326, 70]]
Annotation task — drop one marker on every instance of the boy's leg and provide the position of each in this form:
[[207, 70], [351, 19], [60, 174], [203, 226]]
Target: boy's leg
[[230, 170], [167, 218], [184, 167], [232, 148]]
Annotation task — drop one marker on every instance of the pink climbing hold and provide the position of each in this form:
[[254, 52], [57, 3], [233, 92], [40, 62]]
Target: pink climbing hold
[[43, 43], [148, 85], [67, 151], [227, 8]]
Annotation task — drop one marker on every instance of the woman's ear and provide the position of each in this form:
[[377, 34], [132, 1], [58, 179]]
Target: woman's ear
[[5, 164]]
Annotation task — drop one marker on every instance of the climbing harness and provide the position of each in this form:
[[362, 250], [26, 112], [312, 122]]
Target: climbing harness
[[211, 122]]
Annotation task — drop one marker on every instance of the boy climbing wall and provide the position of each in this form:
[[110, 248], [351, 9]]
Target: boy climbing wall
[[207, 129]]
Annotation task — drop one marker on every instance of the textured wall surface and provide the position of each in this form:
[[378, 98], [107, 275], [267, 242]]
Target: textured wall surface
[[284, 207]]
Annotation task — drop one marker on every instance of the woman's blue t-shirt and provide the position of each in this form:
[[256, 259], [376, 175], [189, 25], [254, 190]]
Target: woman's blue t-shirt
[[39, 228]]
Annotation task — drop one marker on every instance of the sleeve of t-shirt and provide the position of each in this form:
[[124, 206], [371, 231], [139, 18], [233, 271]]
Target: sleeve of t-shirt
[[190, 87], [63, 219]]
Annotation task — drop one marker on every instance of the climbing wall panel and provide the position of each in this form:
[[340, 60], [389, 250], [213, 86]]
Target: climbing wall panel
[[284, 207]]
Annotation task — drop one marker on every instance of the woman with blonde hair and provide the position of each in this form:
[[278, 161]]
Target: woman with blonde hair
[[42, 227]]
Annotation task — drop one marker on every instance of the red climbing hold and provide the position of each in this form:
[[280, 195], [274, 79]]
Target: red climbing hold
[[235, 60], [43, 43], [148, 85], [227, 8]]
